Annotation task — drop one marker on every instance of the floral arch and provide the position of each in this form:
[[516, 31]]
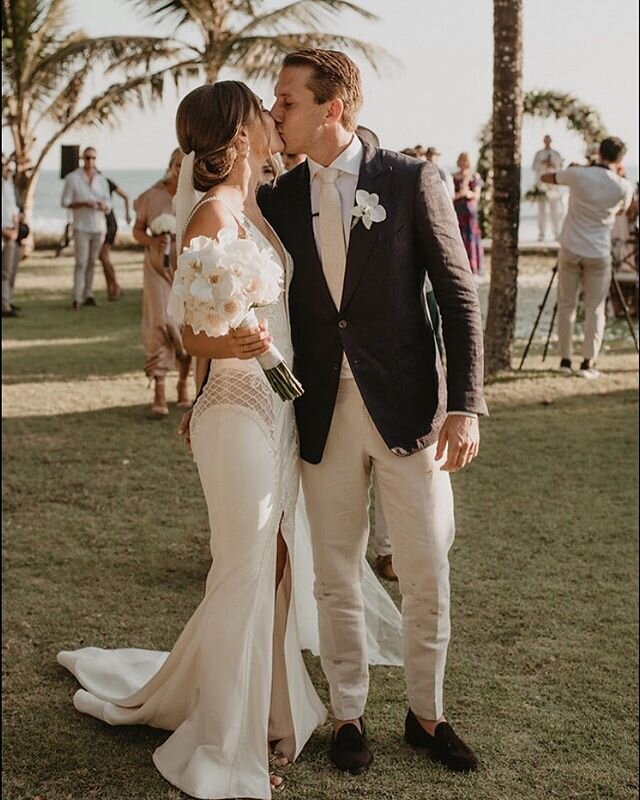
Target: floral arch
[[579, 117]]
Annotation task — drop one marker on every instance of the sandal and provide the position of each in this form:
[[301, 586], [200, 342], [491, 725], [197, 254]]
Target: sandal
[[276, 781], [277, 764], [277, 759]]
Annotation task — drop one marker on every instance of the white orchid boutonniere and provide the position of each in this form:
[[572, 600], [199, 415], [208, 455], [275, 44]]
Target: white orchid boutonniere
[[368, 209]]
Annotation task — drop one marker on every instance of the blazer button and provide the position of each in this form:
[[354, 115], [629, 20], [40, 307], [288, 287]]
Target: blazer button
[[342, 323], [336, 367]]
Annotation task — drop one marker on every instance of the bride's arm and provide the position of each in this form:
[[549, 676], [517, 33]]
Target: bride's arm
[[242, 343]]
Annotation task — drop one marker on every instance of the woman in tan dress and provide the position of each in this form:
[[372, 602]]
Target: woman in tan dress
[[162, 341]]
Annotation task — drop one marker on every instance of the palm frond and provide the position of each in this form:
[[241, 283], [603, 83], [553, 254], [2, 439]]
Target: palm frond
[[303, 13], [106, 108], [65, 103], [259, 57], [178, 11], [114, 48]]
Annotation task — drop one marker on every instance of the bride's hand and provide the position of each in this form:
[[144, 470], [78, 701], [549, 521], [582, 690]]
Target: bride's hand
[[247, 343], [184, 430]]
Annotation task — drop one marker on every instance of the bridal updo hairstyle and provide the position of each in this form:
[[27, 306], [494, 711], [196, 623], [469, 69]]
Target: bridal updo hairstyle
[[208, 122]]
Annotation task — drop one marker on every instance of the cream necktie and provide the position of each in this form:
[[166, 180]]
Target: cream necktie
[[332, 246]]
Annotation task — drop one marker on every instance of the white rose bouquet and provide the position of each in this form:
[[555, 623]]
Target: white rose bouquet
[[164, 223], [218, 284]]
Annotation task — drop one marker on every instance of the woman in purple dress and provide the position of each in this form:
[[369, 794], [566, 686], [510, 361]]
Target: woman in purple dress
[[468, 185]]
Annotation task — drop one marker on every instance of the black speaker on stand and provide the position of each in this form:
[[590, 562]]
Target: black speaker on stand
[[69, 158]]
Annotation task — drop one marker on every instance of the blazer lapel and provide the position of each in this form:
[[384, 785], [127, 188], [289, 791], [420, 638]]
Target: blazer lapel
[[374, 177]]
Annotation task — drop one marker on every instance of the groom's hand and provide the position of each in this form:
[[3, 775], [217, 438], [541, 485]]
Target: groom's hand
[[460, 438]]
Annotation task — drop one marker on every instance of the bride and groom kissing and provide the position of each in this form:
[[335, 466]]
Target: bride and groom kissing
[[356, 229]]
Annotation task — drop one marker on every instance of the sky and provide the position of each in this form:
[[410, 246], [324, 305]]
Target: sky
[[440, 94]]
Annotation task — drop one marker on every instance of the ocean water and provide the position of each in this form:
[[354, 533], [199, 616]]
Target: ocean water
[[50, 217]]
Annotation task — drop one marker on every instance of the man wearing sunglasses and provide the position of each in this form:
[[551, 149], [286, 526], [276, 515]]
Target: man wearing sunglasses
[[86, 193]]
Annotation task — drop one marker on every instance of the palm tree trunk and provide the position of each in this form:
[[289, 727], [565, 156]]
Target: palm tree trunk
[[507, 126], [211, 71]]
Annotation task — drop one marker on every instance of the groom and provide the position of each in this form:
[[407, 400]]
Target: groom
[[375, 390]]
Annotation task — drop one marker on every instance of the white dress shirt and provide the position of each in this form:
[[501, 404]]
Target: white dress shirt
[[10, 208], [597, 195], [77, 189]]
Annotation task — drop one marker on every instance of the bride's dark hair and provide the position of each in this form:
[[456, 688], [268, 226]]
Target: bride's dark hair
[[208, 122]]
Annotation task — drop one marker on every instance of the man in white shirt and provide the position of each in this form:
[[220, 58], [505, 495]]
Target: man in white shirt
[[10, 246], [551, 202], [597, 194], [86, 193]]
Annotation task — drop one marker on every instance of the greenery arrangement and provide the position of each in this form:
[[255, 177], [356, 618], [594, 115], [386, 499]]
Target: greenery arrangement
[[579, 116]]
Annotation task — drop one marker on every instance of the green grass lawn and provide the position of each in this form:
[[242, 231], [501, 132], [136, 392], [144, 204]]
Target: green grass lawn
[[106, 543]]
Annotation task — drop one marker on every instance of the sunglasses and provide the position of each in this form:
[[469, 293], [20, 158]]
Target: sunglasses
[[89, 158]]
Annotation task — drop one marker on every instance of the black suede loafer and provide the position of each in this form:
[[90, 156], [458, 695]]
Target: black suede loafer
[[349, 749], [444, 746]]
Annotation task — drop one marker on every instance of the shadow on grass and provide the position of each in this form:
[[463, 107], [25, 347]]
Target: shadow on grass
[[102, 341], [106, 544]]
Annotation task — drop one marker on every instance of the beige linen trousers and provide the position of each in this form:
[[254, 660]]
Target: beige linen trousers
[[418, 507]]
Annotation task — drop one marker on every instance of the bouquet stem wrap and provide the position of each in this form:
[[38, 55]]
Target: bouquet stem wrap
[[281, 379]]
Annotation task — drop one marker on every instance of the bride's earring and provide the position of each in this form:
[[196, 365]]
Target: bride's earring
[[244, 152]]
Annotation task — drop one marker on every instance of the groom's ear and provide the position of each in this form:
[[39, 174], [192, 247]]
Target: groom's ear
[[335, 110]]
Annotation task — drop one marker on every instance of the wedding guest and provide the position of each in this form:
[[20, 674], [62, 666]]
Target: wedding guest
[[468, 185], [162, 340], [114, 292], [86, 193], [272, 167], [596, 194], [432, 154], [415, 152], [291, 160], [379, 535], [550, 202], [10, 245]]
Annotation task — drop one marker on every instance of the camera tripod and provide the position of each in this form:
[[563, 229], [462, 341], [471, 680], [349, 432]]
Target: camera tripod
[[554, 271]]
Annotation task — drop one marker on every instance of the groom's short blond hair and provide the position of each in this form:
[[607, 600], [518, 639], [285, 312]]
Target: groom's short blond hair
[[335, 77]]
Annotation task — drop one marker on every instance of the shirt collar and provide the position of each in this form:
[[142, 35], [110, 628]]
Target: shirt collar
[[348, 161]]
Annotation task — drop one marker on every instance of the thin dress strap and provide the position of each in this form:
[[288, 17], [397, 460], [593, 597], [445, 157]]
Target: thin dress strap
[[237, 215]]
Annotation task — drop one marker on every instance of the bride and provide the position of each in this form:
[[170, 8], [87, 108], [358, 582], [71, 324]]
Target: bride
[[234, 690]]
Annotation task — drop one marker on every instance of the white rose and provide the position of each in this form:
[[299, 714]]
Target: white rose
[[233, 310]]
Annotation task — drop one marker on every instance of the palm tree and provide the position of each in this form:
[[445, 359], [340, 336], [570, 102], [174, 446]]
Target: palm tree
[[46, 67], [506, 126], [246, 36]]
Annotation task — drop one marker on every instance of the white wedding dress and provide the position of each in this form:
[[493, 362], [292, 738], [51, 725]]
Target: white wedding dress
[[235, 680]]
